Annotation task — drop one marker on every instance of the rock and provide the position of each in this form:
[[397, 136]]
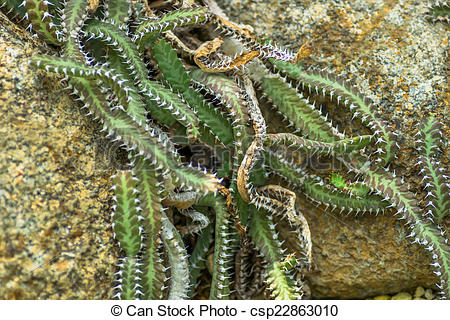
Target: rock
[[56, 240], [419, 292], [383, 297], [402, 296], [398, 59], [429, 295], [359, 257]]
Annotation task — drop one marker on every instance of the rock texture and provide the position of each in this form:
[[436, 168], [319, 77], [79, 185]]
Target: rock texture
[[398, 59], [55, 241], [364, 256]]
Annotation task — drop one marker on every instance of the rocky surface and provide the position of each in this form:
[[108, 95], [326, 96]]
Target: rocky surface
[[398, 59], [363, 256], [419, 294], [55, 241]]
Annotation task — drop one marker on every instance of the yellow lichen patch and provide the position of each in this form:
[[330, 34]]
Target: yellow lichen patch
[[60, 265], [93, 5], [53, 205], [375, 20]]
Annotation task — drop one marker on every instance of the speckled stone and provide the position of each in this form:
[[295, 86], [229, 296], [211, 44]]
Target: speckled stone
[[56, 240], [364, 256], [399, 60], [429, 295], [419, 292], [383, 297], [402, 296]]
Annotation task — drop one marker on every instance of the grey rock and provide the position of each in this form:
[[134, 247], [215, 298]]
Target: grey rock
[[56, 240], [398, 59]]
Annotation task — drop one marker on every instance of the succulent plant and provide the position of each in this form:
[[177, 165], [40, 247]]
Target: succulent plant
[[157, 89]]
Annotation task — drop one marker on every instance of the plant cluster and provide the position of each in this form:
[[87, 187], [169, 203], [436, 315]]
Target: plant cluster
[[438, 11], [158, 89]]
